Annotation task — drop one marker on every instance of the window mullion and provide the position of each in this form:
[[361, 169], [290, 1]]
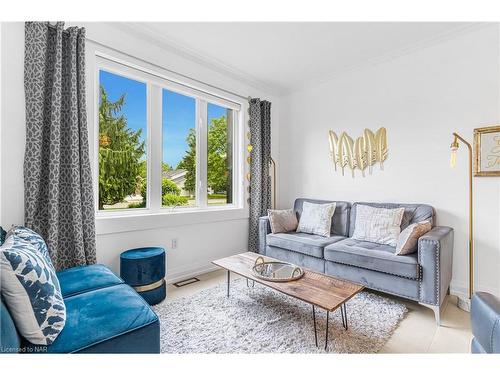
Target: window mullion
[[201, 153], [155, 147]]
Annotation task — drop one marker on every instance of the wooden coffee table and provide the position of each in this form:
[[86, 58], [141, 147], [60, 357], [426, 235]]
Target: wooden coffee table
[[317, 289]]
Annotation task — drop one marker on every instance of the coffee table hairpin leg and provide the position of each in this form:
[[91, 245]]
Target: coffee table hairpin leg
[[343, 314], [314, 321], [228, 281]]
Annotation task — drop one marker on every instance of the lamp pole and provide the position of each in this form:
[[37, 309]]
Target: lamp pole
[[454, 146]]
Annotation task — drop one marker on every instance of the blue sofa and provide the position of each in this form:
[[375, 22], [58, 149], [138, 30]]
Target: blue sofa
[[423, 276], [104, 315], [485, 323]]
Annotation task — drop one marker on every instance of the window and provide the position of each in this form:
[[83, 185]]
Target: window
[[122, 142], [164, 145], [179, 150], [219, 155]]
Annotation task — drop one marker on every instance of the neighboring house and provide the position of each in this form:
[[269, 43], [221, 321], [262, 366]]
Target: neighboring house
[[178, 177]]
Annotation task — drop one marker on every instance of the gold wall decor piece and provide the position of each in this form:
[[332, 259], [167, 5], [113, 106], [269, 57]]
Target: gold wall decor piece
[[362, 153], [487, 151]]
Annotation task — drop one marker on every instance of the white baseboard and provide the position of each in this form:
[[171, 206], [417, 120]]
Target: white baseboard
[[184, 273], [462, 290], [195, 269]]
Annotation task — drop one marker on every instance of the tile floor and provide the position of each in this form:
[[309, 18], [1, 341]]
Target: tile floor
[[417, 333]]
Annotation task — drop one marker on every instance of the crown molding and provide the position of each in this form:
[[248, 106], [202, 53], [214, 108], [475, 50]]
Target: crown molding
[[395, 54], [142, 31]]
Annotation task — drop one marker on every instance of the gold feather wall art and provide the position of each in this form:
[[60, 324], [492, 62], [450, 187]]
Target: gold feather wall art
[[368, 150]]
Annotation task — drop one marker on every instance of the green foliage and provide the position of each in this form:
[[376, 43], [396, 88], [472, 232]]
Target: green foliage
[[217, 177], [171, 194], [120, 153], [188, 162], [217, 196], [165, 167], [173, 200], [137, 205], [169, 187], [217, 155]]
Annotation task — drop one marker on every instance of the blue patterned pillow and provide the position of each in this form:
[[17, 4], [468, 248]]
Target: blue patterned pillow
[[30, 287], [2, 236], [32, 237]]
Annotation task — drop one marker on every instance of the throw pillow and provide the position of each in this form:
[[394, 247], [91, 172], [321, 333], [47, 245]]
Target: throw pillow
[[282, 220], [408, 239], [27, 235], [31, 290], [379, 225], [316, 218]]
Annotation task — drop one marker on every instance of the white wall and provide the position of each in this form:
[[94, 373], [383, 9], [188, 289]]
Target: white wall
[[201, 238], [421, 98], [12, 125]]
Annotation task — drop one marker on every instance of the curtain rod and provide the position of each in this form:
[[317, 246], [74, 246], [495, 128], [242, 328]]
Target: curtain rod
[[159, 66]]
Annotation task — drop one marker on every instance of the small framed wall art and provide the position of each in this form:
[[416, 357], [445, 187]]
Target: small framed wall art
[[487, 151]]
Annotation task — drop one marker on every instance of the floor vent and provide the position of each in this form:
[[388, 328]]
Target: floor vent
[[186, 282]]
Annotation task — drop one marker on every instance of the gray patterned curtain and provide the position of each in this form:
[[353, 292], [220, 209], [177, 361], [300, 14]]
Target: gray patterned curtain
[[260, 180], [58, 194]]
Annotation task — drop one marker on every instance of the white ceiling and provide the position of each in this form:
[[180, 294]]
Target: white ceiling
[[282, 57]]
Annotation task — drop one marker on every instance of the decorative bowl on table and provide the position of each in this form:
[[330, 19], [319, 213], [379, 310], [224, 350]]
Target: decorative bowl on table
[[276, 271]]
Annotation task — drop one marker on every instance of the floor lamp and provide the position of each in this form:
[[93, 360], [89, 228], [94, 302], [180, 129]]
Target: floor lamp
[[273, 164], [464, 303]]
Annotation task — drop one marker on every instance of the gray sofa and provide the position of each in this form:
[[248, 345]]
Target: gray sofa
[[423, 276]]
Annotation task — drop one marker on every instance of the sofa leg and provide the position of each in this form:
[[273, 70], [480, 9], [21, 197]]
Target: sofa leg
[[437, 311]]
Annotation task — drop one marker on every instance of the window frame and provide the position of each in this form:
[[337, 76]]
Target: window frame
[[157, 80]]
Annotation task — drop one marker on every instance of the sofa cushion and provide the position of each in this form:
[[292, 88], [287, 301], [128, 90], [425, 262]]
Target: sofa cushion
[[81, 279], [308, 244], [100, 315], [10, 342], [31, 289], [374, 257], [340, 218], [414, 213]]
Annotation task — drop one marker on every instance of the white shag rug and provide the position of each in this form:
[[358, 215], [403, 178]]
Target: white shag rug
[[260, 320]]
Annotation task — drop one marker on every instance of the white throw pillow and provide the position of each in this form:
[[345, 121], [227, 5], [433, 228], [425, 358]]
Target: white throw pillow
[[30, 287], [408, 239], [316, 218], [379, 225]]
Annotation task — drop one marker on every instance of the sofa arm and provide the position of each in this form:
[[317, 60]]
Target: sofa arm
[[264, 230], [485, 321], [435, 257]]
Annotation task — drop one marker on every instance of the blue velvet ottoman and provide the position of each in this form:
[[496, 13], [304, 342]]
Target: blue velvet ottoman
[[144, 270]]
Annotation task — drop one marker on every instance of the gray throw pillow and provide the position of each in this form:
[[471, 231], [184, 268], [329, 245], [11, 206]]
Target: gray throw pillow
[[316, 218], [282, 221]]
